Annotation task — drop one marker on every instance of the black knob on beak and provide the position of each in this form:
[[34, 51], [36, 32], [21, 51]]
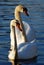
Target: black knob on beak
[[25, 11]]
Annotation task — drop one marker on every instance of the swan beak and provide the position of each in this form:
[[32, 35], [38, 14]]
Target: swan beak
[[25, 11]]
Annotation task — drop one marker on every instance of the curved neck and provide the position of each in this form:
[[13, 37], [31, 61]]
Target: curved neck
[[17, 16]]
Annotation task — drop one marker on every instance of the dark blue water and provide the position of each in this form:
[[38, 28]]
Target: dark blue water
[[36, 19]]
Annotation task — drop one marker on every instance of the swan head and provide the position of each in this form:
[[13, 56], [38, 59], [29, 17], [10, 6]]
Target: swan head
[[22, 9]]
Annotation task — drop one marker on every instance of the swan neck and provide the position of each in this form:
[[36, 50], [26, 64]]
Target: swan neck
[[17, 16]]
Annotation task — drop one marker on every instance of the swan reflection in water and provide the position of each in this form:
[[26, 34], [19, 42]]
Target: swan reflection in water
[[26, 42]]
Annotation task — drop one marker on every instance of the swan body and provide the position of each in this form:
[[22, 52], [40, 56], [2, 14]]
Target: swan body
[[27, 49]]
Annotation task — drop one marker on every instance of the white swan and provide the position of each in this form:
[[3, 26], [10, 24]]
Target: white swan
[[26, 50]]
